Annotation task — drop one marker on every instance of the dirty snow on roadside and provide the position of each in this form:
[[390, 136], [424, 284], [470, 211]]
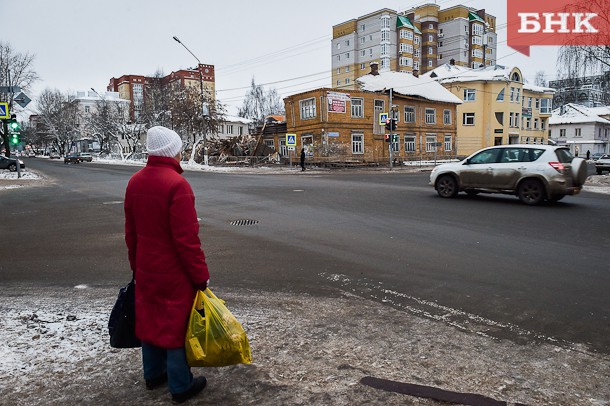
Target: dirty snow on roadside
[[306, 350]]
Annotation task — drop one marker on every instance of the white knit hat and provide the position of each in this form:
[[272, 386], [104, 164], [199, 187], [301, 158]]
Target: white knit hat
[[161, 141]]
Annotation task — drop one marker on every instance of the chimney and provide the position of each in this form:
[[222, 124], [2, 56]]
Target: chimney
[[416, 73], [452, 62], [374, 68]]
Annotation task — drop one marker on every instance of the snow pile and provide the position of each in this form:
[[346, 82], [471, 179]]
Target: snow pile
[[408, 85], [25, 174], [576, 114]]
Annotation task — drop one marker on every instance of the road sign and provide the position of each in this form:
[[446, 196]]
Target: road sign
[[382, 118], [22, 99], [4, 113], [10, 89], [292, 148], [291, 140]]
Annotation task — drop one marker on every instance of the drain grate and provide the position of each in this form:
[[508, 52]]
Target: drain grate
[[244, 222]]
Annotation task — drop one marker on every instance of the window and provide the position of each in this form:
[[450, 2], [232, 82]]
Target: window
[[447, 117], [347, 55], [347, 81], [346, 69], [430, 63], [415, 65], [370, 51], [409, 114], [362, 40], [338, 82], [430, 26], [417, 40], [562, 132], [430, 116], [404, 61], [529, 102], [417, 53], [430, 50], [229, 128], [545, 106], [362, 27], [221, 129], [308, 108], [357, 107], [338, 71], [338, 57], [240, 131], [430, 142], [542, 124], [511, 120], [363, 53], [270, 143], [487, 156], [512, 94], [385, 36], [385, 21], [469, 94], [578, 132], [535, 124], [347, 42], [537, 104], [283, 147], [409, 143], [500, 96], [357, 143], [448, 143], [468, 119], [477, 29], [477, 53], [518, 95], [528, 123], [477, 40], [87, 109], [430, 38]]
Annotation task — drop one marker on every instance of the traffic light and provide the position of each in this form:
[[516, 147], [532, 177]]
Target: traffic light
[[388, 137], [13, 126], [390, 124], [15, 138]]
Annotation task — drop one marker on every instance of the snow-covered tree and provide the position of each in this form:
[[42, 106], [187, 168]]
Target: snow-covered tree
[[259, 104], [59, 116]]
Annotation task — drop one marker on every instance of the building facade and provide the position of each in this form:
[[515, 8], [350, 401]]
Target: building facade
[[345, 126], [499, 108], [581, 128], [590, 91], [133, 87], [414, 41]]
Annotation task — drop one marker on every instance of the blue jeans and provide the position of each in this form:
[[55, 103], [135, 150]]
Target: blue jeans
[[159, 361]]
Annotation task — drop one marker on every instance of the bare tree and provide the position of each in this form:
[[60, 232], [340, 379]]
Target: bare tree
[[60, 116], [156, 109], [540, 80], [582, 60], [16, 69], [259, 103]]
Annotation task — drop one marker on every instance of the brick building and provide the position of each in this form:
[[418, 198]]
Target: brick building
[[133, 87], [344, 126]]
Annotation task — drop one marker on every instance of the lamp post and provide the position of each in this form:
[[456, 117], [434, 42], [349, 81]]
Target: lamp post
[[204, 110]]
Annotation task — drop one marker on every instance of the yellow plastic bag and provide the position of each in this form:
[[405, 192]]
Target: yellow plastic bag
[[216, 338]]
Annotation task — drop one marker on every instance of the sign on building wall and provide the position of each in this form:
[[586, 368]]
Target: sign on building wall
[[337, 102]]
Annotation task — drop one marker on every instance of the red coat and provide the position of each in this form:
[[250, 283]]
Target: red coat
[[162, 236]]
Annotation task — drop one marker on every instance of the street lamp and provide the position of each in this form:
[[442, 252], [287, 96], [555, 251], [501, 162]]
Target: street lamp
[[204, 109]]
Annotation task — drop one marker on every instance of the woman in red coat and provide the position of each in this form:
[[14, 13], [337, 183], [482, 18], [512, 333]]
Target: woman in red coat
[[162, 236]]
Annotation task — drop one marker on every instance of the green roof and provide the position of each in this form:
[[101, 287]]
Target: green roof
[[475, 17], [403, 21]]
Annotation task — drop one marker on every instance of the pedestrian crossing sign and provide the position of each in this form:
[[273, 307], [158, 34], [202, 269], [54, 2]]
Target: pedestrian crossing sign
[[291, 140], [4, 113]]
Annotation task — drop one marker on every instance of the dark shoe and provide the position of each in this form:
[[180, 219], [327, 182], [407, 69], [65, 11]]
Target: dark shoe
[[198, 385], [156, 382]]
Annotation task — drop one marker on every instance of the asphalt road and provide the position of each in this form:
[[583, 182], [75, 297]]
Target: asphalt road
[[487, 264]]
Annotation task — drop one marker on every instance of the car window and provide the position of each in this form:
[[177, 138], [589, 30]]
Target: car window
[[511, 155], [564, 155], [488, 156], [530, 154]]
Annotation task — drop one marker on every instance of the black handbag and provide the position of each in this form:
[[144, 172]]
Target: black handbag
[[122, 322]]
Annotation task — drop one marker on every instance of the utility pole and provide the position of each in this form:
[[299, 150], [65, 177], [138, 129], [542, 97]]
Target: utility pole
[[391, 116], [204, 109]]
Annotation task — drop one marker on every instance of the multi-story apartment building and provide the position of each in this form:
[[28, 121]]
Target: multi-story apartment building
[[589, 91], [414, 41], [499, 108], [348, 126], [133, 87]]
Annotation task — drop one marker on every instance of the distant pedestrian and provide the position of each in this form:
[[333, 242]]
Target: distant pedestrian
[[302, 159], [588, 154], [162, 236]]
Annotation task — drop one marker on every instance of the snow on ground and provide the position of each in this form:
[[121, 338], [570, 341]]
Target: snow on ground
[[306, 351]]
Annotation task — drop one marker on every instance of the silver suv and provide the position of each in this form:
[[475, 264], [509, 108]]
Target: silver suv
[[532, 172]]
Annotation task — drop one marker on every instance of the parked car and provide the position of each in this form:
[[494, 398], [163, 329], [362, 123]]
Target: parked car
[[54, 155], [597, 155], [86, 157], [603, 164], [31, 154], [10, 163], [72, 159], [531, 172]]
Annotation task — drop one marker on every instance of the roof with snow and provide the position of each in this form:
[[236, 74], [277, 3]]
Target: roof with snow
[[448, 73], [600, 111], [407, 85], [236, 119], [576, 114]]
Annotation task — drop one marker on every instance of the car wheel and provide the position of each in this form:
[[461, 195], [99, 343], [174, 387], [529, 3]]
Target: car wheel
[[446, 186], [12, 167], [531, 192], [579, 171]]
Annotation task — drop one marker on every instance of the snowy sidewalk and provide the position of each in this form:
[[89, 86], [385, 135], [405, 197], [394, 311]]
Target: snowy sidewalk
[[306, 350]]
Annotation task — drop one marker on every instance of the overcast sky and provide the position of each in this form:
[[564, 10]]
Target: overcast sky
[[79, 44]]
